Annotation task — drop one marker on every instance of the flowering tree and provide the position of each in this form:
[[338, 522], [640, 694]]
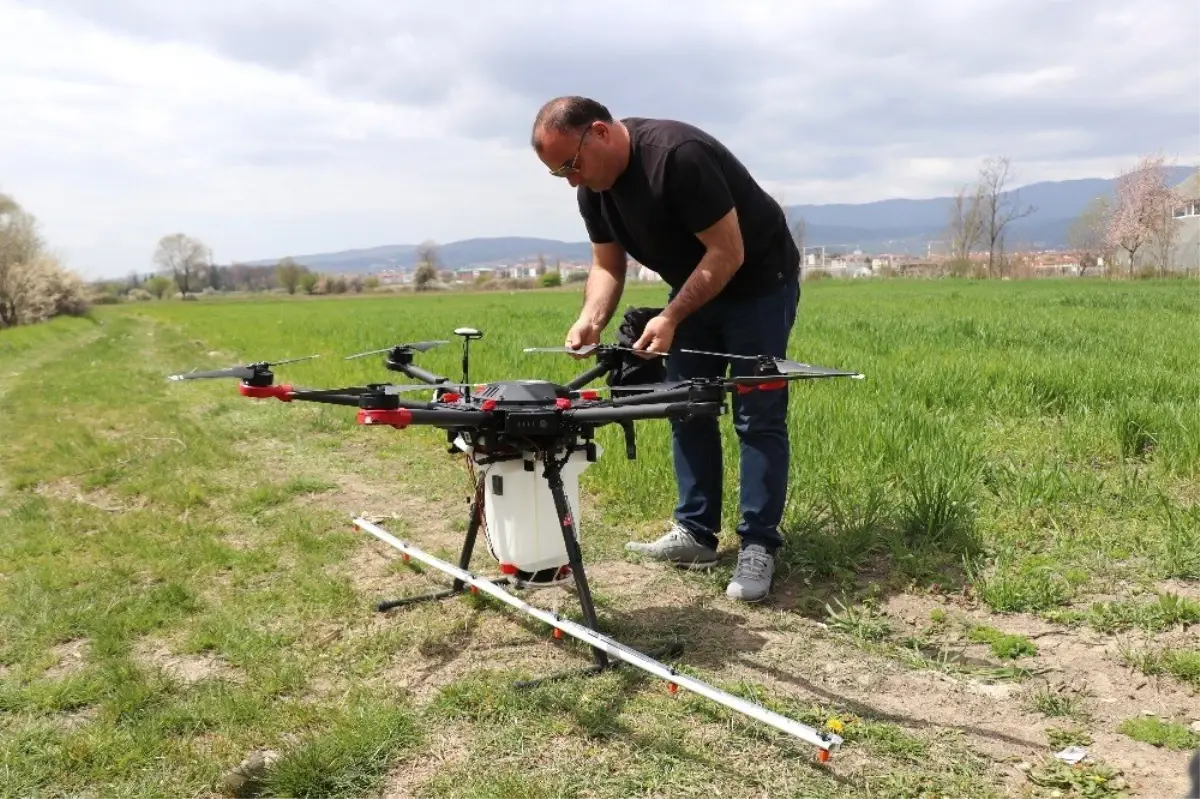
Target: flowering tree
[[33, 285], [1143, 212]]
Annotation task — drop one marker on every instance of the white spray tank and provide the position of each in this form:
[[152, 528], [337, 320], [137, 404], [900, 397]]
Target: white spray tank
[[520, 520]]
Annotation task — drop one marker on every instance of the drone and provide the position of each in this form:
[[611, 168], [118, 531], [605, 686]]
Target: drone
[[507, 429]]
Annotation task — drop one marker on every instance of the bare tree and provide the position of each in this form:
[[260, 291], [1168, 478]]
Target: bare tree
[[427, 265], [966, 224], [181, 256], [1087, 234], [800, 233], [1000, 207]]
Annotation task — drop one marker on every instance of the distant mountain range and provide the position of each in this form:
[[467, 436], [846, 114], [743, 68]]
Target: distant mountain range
[[896, 225]]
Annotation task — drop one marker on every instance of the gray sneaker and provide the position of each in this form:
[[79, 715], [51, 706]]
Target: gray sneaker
[[752, 577], [679, 547]]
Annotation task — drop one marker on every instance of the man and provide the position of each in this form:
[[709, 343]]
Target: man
[[680, 203]]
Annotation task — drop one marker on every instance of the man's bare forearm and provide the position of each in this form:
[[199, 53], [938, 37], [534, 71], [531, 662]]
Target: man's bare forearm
[[601, 294], [711, 275]]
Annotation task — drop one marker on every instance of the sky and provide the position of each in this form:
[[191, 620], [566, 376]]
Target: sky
[[274, 127]]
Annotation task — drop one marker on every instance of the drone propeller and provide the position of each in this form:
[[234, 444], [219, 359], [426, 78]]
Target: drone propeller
[[783, 364], [245, 372], [584, 350], [587, 349], [806, 372], [420, 346], [388, 388]]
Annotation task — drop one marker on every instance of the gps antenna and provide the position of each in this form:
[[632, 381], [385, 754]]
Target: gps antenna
[[467, 333]]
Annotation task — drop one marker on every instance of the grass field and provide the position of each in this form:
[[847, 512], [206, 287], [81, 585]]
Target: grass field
[[993, 551]]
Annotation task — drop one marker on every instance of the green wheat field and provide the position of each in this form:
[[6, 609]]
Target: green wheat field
[[993, 552]]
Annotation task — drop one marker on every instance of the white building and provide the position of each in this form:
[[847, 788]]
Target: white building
[[1185, 255]]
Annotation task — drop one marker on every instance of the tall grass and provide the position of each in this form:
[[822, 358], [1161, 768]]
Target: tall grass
[[996, 418]]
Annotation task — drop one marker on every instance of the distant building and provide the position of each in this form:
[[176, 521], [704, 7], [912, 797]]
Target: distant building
[[1185, 255]]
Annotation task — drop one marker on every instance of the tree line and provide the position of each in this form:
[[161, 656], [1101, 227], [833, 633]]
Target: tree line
[[1137, 224], [184, 270]]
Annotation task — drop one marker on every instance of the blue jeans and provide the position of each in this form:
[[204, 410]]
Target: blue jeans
[[745, 326]]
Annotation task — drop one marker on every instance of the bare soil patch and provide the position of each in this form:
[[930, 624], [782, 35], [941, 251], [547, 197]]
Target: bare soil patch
[[70, 657], [185, 667], [1077, 662], [447, 748], [66, 489]]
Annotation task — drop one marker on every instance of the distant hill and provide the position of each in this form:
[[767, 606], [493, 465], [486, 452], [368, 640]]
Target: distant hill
[[903, 224], [453, 255], [894, 225]]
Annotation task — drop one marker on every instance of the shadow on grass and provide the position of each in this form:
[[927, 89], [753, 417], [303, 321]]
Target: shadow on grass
[[596, 707]]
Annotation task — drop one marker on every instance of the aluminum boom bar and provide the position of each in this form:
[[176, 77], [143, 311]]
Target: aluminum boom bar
[[825, 741]]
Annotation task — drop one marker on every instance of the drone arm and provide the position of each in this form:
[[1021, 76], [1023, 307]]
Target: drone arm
[[652, 398], [449, 419], [404, 416], [600, 416], [599, 370], [333, 397], [424, 375], [352, 396]]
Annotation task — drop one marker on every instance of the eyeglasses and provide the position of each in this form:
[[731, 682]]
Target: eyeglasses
[[570, 167]]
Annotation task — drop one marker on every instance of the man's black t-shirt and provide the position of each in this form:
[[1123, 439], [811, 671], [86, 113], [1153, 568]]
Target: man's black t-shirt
[[680, 180]]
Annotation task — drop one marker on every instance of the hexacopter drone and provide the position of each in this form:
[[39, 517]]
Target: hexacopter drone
[[506, 429]]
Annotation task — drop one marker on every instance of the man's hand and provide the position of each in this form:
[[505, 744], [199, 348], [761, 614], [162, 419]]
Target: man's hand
[[582, 333], [657, 337]]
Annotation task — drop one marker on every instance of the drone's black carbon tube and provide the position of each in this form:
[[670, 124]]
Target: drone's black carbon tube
[[645, 411], [319, 395], [424, 375], [449, 418], [653, 397], [599, 370]]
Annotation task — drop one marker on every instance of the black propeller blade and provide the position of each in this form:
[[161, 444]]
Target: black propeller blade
[[388, 388], [806, 372], [783, 364], [420, 346], [245, 372], [587, 349]]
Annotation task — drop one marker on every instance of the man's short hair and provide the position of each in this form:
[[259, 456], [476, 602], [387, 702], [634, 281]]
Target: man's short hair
[[566, 114]]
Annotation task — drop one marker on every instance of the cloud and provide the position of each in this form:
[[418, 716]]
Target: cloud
[[275, 127]]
